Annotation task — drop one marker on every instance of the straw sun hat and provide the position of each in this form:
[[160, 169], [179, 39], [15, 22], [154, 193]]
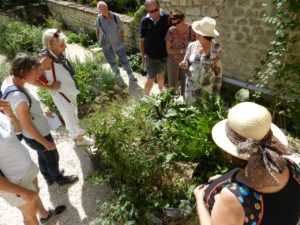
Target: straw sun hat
[[249, 120], [205, 27]]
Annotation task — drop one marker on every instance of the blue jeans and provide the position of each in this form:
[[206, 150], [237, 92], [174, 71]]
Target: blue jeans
[[110, 56], [48, 160]]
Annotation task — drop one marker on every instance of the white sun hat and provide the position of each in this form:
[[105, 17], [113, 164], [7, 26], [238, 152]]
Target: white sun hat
[[249, 120], [205, 27]]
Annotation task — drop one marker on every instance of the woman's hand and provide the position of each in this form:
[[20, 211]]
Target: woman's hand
[[49, 114], [55, 85], [183, 64], [29, 196], [49, 146], [6, 108], [199, 192]]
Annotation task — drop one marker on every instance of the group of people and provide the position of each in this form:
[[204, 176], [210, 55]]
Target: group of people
[[22, 117], [188, 54], [263, 189]]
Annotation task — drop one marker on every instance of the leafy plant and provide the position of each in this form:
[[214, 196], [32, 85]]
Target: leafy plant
[[51, 22], [281, 66], [4, 71], [19, 37], [149, 148], [135, 61], [82, 38]]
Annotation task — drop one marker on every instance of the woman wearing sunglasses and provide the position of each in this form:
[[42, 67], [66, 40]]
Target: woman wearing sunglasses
[[179, 35], [203, 60], [59, 78]]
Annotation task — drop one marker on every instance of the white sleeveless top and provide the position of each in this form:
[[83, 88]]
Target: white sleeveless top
[[15, 160], [67, 86]]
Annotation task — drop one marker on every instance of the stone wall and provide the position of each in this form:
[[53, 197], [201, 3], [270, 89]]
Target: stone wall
[[78, 17], [244, 37]]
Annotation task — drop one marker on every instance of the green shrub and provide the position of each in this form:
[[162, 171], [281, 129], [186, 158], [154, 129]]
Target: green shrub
[[4, 71], [139, 14], [149, 147], [83, 38], [54, 23], [135, 61], [19, 37]]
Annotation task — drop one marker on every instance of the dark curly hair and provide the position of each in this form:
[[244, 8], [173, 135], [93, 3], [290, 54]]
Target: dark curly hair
[[22, 64], [176, 14]]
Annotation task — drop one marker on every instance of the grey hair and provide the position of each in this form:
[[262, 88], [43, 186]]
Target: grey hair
[[101, 3], [147, 2], [48, 35]]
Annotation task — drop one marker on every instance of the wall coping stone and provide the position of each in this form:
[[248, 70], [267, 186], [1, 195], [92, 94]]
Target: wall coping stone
[[90, 10]]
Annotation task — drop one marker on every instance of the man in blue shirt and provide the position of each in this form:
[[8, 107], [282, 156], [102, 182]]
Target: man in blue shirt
[[154, 27], [110, 33]]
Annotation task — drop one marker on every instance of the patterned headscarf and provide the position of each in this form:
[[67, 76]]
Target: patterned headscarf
[[264, 157]]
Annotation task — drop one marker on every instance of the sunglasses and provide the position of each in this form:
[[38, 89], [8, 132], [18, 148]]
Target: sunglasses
[[56, 34], [175, 23], [153, 11]]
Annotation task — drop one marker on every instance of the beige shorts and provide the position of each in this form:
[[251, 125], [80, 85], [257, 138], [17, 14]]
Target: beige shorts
[[25, 182]]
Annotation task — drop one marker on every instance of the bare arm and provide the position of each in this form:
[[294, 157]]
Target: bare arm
[[226, 211], [46, 64], [142, 48], [6, 108], [7, 186], [184, 63], [25, 121], [122, 35]]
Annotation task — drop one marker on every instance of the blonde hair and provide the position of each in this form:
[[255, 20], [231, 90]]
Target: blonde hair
[[49, 34]]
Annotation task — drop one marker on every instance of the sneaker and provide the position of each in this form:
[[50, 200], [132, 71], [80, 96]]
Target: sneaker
[[67, 180], [85, 141], [53, 213]]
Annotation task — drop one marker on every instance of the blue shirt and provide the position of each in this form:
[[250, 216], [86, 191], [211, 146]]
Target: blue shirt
[[111, 28], [154, 34]]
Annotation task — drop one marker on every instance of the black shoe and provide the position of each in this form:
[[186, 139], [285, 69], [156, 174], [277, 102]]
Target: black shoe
[[50, 181], [53, 213], [67, 180]]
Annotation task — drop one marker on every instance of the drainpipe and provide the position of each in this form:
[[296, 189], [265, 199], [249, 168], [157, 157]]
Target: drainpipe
[[253, 87]]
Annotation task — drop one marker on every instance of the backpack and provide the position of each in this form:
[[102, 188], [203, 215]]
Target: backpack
[[14, 88], [102, 33]]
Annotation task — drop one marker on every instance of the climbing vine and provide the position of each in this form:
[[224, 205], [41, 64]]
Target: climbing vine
[[281, 67]]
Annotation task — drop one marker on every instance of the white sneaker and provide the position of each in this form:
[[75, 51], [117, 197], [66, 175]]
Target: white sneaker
[[85, 141]]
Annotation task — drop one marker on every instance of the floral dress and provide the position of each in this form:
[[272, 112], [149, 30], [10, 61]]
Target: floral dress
[[205, 71]]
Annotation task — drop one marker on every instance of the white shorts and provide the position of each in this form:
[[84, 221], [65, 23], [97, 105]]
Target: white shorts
[[25, 182]]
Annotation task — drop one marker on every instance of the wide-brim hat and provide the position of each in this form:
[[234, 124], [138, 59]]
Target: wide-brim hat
[[205, 27], [249, 120]]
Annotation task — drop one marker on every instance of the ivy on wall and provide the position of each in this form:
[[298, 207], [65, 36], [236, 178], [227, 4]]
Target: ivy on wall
[[281, 66]]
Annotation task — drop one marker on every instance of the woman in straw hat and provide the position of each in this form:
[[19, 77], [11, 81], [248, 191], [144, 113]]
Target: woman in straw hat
[[203, 60], [265, 189]]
